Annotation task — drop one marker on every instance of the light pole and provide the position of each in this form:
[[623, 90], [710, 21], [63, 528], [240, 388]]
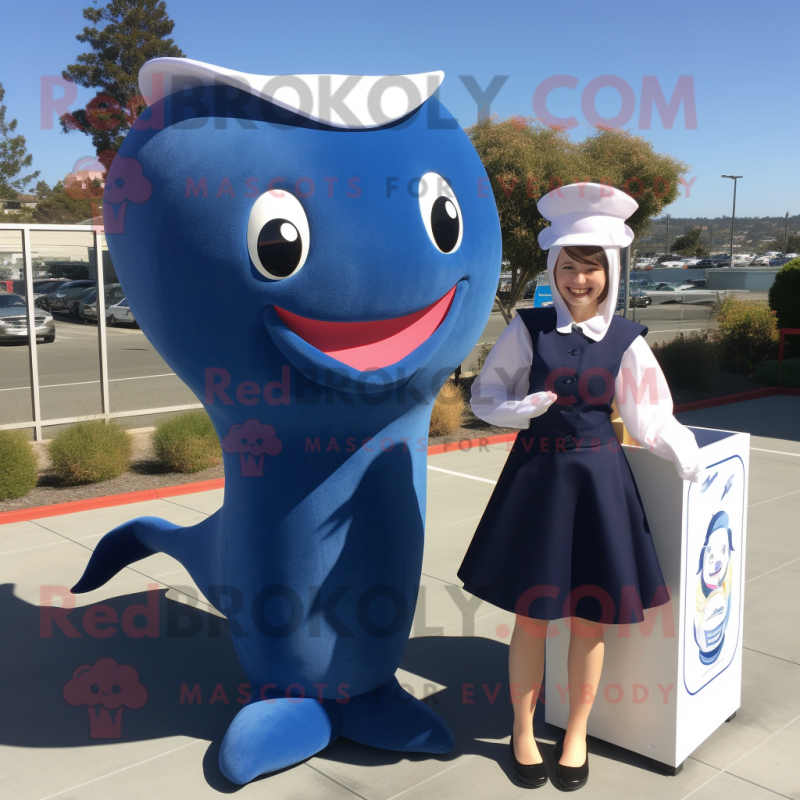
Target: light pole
[[785, 231], [666, 244], [733, 215]]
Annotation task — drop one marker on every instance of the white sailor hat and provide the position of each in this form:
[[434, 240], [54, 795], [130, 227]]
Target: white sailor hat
[[586, 214], [351, 102]]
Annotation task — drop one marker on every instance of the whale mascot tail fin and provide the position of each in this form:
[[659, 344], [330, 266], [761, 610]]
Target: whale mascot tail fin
[[131, 542]]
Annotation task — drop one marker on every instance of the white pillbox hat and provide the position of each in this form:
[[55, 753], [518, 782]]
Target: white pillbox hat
[[586, 214]]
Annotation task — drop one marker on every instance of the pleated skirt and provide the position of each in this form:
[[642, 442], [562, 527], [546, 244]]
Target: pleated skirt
[[565, 535]]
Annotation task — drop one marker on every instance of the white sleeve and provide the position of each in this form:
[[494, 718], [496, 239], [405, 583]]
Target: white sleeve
[[645, 405], [500, 392]]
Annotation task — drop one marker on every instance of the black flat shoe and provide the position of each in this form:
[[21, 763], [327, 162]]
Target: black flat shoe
[[570, 778], [535, 775]]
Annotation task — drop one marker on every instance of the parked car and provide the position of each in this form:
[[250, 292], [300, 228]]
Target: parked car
[[683, 293], [45, 291], [14, 320], [120, 314], [87, 308], [682, 287], [779, 262], [504, 283], [639, 299], [69, 296]]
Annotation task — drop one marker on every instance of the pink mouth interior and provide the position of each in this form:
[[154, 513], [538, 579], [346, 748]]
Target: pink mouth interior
[[370, 345]]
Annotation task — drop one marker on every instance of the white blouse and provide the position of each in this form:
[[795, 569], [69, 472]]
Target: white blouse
[[499, 396]]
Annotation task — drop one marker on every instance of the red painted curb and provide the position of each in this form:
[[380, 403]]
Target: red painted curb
[[41, 512], [190, 488], [468, 444], [755, 394]]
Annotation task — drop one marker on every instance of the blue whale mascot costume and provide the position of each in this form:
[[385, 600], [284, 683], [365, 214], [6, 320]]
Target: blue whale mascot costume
[[312, 255]]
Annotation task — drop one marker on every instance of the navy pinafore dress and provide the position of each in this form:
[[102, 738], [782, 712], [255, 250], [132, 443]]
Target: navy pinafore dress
[[564, 532]]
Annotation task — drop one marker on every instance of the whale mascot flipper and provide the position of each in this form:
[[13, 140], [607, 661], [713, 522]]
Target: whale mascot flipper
[[312, 255]]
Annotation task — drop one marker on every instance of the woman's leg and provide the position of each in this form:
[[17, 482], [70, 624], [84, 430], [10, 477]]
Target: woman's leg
[[525, 672], [584, 665]]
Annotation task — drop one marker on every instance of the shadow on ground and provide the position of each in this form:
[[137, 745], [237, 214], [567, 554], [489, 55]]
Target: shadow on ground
[[184, 659]]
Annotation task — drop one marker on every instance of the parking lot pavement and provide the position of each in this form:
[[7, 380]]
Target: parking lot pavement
[[664, 321], [69, 371], [169, 748], [69, 375]]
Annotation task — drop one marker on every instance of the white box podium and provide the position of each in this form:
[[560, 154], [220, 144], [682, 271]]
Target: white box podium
[[669, 682]]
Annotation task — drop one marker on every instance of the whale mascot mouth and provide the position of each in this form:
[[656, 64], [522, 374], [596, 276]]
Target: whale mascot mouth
[[383, 352]]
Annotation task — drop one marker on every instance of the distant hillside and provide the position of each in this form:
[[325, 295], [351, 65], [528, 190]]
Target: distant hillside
[[751, 234]]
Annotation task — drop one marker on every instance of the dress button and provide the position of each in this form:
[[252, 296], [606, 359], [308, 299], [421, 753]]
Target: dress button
[[570, 408], [569, 380], [568, 438], [575, 352]]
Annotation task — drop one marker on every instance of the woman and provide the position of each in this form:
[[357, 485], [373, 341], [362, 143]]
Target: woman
[[564, 533]]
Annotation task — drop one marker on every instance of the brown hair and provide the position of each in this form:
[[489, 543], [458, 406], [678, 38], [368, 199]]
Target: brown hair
[[590, 254]]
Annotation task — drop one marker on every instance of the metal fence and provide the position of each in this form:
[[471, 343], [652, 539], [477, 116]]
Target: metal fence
[[96, 247]]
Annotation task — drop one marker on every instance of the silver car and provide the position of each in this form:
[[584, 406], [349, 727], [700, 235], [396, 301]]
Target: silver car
[[14, 320], [120, 314], [87, 308]]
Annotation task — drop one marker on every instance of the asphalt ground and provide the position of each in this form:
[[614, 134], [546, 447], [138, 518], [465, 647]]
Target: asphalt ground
[[69, 375], [169, 747], [69, 372], [664, 322]]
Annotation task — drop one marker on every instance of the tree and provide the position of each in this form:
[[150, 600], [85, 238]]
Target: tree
[[14, 156], [42, 190], [73, 204], [69, 269], [524, 160], [784, 300], [792, 244], [124, 34], [689, 243], [69, 207], [59, 187]]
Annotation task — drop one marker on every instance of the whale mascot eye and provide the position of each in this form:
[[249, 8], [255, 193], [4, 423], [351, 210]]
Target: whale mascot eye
[[440, 211], [277, 235]]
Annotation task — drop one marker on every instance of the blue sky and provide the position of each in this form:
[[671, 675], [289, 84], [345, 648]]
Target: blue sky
[[742, 59]]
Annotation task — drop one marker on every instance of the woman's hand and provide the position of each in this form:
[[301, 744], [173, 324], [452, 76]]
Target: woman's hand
[[539, 402], [696, 475]]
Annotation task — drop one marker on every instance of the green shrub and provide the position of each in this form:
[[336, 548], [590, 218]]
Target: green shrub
[[90, 452], [784, 300], [767, 372], [483, 353], [448, 411], [187, 443], [747, 334], [689, 362], [18, 471], [784, 295]]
